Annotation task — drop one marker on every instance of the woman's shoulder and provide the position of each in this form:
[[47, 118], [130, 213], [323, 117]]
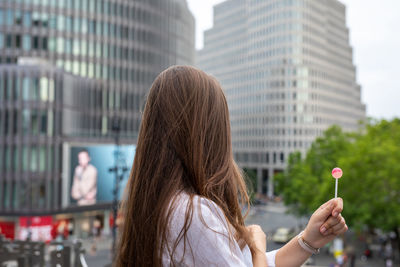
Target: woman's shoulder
[[203, 216], [202, 208]]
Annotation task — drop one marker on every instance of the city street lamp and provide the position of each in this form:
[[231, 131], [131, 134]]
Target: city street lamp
[[120, 171]]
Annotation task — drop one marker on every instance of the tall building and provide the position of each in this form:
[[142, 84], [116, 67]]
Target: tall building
[[67, 69], [287, 70]]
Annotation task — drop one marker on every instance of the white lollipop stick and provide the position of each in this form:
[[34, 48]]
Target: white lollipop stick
[[336, 184]]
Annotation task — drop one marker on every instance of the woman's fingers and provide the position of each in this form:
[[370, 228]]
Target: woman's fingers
[[258, 236], [338, 206], [332, 207], [334, 225]]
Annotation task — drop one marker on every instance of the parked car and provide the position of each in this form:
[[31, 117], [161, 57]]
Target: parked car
[[283, 235]]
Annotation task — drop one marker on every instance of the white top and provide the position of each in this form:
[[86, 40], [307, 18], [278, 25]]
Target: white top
[[206, 246]]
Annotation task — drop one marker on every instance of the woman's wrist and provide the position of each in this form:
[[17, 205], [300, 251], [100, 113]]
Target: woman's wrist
[[306, 245], [309, 240], [259, 258], [256, 252]]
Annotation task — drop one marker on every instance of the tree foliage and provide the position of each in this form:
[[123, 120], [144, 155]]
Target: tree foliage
[[370, 186]]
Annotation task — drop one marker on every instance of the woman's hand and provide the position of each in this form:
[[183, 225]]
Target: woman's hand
[[258, 238], [325, 224], [258, 245]]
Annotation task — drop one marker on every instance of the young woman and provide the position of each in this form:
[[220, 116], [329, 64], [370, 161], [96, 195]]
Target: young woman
[[185, 194]]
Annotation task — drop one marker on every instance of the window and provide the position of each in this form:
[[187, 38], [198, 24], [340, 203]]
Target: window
[[36, 19], [26, 42], [1, 16], [35, 42], [75, 68], [60, 45], [25, 158], [42, 160], [91, 49], [68, 66], [77, 24], [83, 49], [77, 4], [33, 160], [44, 83], [1, 41], [27, 19], [9, 38], [52, 44], [18, 17], [68, 24], [83, 69], [76, 48], [18, 41], [10, 17], [84, 4], [45, 20], [43, 123], [50, 124], [35, 89], [25, 88], [84, 25], [61, 23], [92, 6]]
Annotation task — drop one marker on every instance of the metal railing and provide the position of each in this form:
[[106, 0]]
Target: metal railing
[[33, 254]]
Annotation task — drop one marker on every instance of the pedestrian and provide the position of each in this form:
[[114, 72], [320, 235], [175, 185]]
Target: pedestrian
[[183, 201], [388, 254]]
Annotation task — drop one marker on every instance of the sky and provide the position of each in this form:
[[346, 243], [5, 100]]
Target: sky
[[375, 39]]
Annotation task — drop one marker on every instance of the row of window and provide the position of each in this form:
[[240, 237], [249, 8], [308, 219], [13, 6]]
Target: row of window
[[273, 157], [46, 88], [33, 162], [24, 195], [10, 17], [103, 7], [34, 158], [27, 122], [259, 144], [281, 132], [26, 88], [76, 47]]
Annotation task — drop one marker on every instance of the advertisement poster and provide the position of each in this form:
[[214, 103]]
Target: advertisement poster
[[7, 229], [37, 227], [93, 176]]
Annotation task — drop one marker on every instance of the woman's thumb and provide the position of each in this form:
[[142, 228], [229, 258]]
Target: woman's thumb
[[325, 211]]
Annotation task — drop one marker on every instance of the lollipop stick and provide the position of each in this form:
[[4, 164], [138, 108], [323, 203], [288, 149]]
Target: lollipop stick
[[336, 187]]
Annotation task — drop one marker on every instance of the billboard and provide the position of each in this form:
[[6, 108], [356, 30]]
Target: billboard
[[37, 228], [92, 172], [7, 229]]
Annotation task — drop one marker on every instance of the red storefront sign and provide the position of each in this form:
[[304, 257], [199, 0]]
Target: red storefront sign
[[7, 229], [38, 227]]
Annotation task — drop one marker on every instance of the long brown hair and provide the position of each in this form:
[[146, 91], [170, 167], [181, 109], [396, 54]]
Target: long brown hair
[[184, 145]]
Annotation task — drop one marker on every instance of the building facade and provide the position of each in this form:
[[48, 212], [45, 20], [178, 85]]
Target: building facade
[[67, 69], [287, 70]]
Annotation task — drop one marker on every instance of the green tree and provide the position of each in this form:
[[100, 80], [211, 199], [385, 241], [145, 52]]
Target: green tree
[[304, 179], [370, 186]]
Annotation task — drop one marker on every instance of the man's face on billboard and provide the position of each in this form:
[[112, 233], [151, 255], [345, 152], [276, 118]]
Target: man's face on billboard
[[83, 158]]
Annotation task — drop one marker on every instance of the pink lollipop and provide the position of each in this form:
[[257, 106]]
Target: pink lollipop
[[337, 173]]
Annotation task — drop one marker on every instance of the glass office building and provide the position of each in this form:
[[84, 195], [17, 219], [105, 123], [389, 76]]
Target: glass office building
[[67, 68], [288, 74]]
